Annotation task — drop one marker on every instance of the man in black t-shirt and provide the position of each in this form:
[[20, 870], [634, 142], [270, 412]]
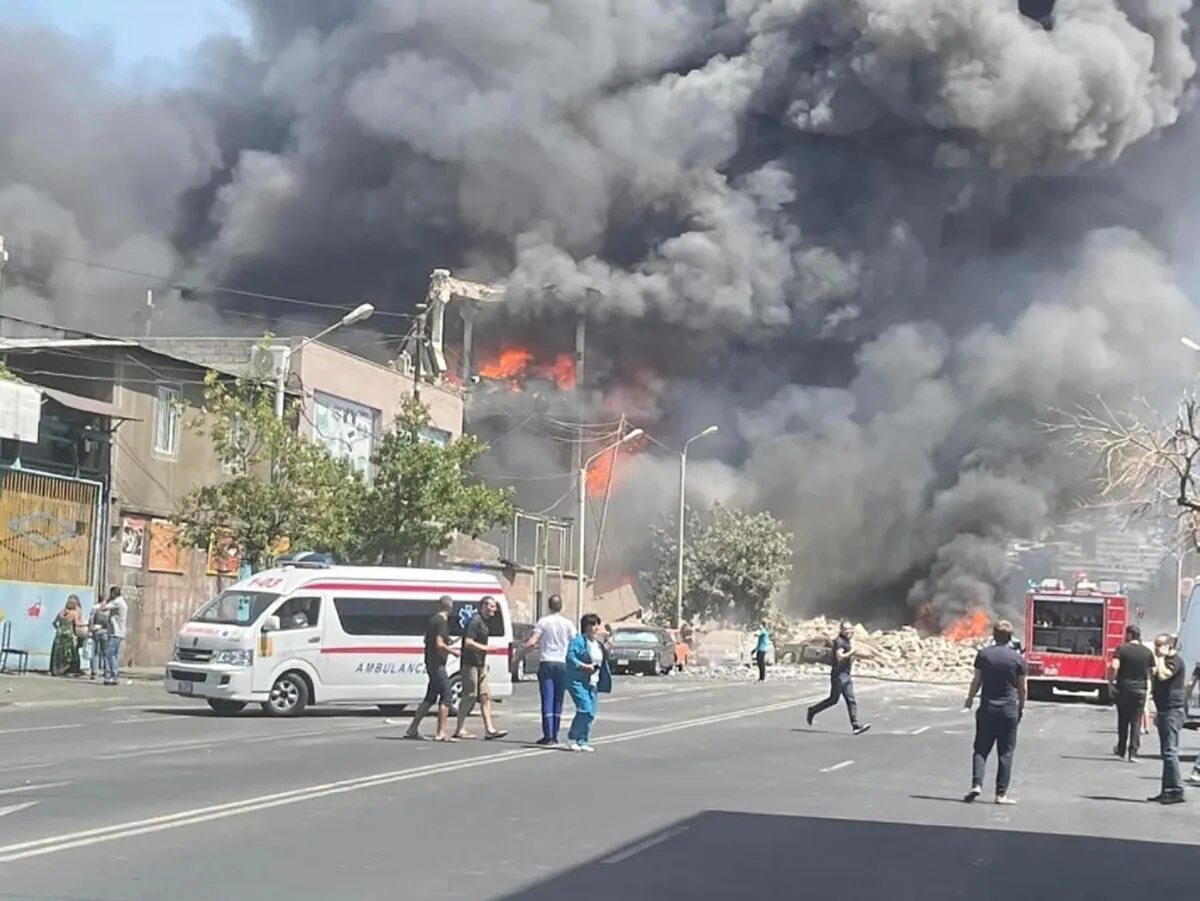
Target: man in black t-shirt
[[1169, 674], [1129, 681], [1000, 674], [475, 671], [841, 685], [437, 653]]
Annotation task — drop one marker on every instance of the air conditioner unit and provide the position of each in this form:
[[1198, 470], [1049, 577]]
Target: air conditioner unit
[[265, 362]]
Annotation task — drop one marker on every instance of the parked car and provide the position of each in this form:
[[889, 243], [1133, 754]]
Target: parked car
[[523, 661], [645, 649], [730, 647]]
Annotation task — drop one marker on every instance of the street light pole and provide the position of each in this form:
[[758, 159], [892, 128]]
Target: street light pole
[[358, 314], [581, 476], [712, 429]]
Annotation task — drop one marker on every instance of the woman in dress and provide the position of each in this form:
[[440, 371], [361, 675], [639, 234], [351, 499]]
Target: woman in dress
[[588, 673], [68, 626]]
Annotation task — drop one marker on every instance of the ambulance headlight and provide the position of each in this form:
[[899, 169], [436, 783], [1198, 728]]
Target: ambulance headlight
[[234, 658]]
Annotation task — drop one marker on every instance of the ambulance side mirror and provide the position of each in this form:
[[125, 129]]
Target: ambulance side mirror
[[270, 624]]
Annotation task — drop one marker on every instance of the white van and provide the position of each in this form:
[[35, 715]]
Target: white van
[[313, 633], [1189, 650]]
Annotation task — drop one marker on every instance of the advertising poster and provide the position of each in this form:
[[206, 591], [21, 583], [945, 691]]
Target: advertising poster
[[166, 553], [133, 542], [223, 557]]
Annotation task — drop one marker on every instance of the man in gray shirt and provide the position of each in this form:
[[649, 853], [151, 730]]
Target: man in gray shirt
[[118, 619]]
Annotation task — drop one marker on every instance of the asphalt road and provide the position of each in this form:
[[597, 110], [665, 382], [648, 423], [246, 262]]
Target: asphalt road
[[696, 791]]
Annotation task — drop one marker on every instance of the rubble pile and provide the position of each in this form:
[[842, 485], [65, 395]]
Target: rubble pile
[[903, 654]]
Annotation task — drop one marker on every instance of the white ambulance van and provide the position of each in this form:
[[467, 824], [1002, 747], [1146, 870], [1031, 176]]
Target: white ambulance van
[[310, 632]]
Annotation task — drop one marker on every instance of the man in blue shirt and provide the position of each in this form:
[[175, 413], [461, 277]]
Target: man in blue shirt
[[1000, 673], [760, 651]]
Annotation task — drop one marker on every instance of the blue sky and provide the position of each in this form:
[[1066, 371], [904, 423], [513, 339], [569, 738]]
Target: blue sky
[[136, 32]]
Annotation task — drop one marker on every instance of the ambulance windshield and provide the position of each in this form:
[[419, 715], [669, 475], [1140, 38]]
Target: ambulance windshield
[[235, 608]]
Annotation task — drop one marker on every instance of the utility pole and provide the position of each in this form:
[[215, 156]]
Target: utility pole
[[682, 511], [580, 468], [149, 313], [3, 260]]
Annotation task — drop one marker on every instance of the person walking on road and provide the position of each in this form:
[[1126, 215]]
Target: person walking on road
[[475, 672], [1168, 688], [588, 674], [1000, 674], [552, 634], [760, 651], [841, 684], [1129, 683], [437, 654], [118, 622]]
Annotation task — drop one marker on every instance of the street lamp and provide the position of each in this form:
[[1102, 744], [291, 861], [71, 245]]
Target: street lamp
[[1189, 343], [358, 314], [582, 476], [711, 430]]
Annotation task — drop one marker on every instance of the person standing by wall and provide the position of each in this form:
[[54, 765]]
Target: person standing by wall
[[552, 634], [841, 684], [437, 654], [1000, 673], [118, 622], [98, 628], [475, 682], [1129, 683], [588, 674], [1168, 688], [760, 651]]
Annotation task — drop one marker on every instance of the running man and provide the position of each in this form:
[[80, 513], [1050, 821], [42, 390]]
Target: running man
[[841, 684], [552, 634], [1000, 673], [437, 653], [475, 672]]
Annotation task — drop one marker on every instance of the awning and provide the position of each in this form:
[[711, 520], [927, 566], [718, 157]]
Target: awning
[[86, 404]]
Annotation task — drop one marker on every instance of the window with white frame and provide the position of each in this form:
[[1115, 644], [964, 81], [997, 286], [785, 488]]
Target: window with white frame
[[168, 416]]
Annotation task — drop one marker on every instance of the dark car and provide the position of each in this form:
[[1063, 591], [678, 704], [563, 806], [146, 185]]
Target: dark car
[[642, 649], [523, 660]]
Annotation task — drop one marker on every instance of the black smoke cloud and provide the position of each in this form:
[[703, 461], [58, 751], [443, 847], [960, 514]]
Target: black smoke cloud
[[874, 239]]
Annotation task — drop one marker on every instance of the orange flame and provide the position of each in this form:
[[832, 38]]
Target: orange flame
[[969, 626], [515, 364], [601, 470]]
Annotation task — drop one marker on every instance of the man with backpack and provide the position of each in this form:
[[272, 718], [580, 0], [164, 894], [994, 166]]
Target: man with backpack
[[841, 684]]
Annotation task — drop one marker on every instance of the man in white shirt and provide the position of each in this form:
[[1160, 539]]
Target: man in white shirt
[[552, 633], [118, 616]]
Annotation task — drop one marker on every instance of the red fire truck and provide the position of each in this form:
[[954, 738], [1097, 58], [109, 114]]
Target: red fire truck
[[1071, 633]]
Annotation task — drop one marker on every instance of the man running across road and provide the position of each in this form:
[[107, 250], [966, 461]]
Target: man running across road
[[1000, 673], [475, 672], [841, 684], [552, 634], [437, 653], [1129, 682]]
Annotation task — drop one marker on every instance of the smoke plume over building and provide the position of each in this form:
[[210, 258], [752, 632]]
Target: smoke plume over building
[[874, 240]]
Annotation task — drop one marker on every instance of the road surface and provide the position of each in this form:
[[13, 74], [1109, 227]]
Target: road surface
[[697, 790]]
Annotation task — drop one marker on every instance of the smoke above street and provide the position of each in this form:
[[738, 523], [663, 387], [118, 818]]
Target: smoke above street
[[874, 240]]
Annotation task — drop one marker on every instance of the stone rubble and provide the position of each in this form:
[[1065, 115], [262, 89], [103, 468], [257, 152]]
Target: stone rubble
[[903, 655]]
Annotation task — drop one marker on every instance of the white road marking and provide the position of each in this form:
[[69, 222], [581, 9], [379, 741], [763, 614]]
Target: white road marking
[[41, 728], [838, 766], [954, 732], [641, 846], [16, 808], [54, 844], [919, 731], [30, 788], [226, 741], [149, 719]]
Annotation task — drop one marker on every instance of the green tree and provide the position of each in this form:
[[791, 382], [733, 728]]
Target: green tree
[[5, 373], [734, 562], [279, 486], [422, 492]]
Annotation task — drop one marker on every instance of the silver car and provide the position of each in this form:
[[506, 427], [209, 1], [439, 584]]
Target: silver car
[[642, 649]]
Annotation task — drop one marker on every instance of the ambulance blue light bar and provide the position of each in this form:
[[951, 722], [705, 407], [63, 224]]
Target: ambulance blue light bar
[[306, 560]]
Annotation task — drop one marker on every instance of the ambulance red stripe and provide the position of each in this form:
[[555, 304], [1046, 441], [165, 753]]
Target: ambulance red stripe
[[395, 650], [479, 590]]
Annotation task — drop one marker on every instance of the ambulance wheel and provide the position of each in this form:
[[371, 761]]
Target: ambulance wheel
[[456, 693], [289, 696], [225, 708]]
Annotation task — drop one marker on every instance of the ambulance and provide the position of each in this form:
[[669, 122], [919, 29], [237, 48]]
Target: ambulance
[[311, 632]]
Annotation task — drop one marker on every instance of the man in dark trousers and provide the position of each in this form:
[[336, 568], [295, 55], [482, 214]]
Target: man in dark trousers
[[1169, 674], [437, 654], [1000, 674], [841, 685], [1129, 682]]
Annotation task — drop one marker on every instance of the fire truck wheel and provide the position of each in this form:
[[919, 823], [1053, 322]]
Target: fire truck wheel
[[1040, 691], [1105, 695]]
